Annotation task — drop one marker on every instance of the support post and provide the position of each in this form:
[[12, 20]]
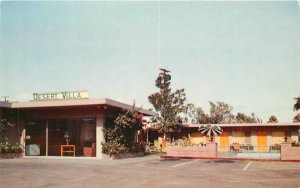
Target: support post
[[100, 122], [23, 140], [47, 136], [254, 139]]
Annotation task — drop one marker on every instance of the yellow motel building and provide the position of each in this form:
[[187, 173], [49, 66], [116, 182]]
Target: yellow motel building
[[258, 137]]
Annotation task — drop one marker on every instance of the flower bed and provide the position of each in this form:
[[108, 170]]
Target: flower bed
[[8, 150], [123, 155]]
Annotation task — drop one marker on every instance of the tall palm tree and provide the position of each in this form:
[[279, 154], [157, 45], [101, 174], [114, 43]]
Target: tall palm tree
[[297, 104]]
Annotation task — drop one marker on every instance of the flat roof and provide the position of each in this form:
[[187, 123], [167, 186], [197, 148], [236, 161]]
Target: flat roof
[[246, 125], [5, 104], [71, 103]]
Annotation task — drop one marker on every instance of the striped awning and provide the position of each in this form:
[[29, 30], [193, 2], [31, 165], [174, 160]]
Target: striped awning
[[210, 130]]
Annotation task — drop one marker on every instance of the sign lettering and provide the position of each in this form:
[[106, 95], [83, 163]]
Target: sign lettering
[[65, 95]]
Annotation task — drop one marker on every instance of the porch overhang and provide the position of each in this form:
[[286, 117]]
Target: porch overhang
[[104, 102]]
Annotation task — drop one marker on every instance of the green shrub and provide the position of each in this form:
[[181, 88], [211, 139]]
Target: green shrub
[[120, 136], [247, 147], [185, 142], [111, 148], [138, 147], [275, 147], [10, 148]]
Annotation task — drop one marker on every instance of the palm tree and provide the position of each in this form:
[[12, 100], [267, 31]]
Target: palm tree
[[297, 104]]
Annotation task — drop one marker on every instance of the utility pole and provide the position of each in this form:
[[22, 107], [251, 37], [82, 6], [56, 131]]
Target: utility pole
[[165, 74]]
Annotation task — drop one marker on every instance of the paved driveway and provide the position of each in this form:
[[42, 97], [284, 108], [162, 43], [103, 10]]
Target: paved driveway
[[147, 171]]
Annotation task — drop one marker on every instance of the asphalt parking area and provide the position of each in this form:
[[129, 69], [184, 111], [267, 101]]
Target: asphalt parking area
[[149, 171]]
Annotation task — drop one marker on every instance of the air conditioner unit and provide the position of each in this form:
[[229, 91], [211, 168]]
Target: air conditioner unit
[[32, 150]]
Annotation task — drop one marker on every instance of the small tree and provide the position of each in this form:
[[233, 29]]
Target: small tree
[[6, 120], [120, 136], [168, 105], [272, 119]]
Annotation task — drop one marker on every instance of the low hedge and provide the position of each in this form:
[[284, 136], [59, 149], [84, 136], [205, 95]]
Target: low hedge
[[111, 148]]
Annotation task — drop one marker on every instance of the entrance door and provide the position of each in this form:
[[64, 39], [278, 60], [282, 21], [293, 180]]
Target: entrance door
[[224, 141], [262, 141], [35, 138]]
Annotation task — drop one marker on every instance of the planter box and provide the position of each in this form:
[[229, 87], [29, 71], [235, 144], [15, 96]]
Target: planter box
[[123, 155], [10, 155], [289, 153], [208, 151]]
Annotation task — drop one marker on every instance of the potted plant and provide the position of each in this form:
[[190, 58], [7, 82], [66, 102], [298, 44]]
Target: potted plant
[[88, 148]]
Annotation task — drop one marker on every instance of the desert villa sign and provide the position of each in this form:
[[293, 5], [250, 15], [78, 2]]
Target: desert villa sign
[[65, 95]]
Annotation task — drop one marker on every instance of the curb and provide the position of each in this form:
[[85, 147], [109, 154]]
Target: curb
[[231, 159]]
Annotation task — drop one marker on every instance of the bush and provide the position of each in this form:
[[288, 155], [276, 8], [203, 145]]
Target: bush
[[138, 147], [296, 144], [275, 147], [120, 136], [111, 148], [10, 148], [247, 147], [185, 142]]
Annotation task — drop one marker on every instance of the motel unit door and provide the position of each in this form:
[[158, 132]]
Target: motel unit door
[[224, 141], [262, 141]]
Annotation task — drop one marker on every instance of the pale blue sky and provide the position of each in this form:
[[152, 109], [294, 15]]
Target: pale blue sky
[[243, 53]]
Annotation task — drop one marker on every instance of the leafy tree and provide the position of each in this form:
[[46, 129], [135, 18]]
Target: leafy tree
[[202, 117], [243, 118], [273, 119], [120, 136], [220, 112], [168, 105], [191, 113]]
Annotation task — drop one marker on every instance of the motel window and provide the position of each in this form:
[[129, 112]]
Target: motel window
[[248, 137], [238, 137], [278, 137], [35, 128]]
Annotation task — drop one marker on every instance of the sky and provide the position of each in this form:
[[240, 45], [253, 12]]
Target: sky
[[243, 53]]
